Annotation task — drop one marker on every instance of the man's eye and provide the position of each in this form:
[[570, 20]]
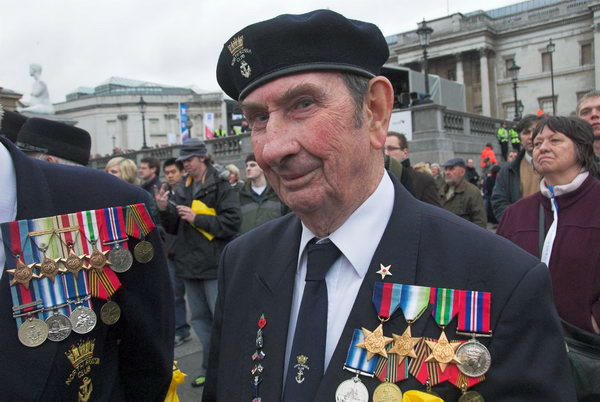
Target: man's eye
[[303, 104]]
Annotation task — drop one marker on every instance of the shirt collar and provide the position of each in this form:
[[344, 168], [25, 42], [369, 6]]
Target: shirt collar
[[359, 236]]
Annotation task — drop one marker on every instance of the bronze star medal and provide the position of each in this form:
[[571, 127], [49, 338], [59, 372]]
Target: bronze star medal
[[98, 260], [73, 263], [404, 345], [443, 351], [22, 274], [384, 270], [375, 342], [49, 267]]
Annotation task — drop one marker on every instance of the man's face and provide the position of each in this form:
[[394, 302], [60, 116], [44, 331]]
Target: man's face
[[470, 163], [589, 110], [145, 172], [525, 136], [304, 139], [253, 171], [392, 148], [172, 174], [454, 174], [194, 166], [511, 156]]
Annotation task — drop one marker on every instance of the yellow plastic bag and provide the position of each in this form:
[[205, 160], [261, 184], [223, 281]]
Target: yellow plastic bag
[[418, 396], [201, 208], [176, 381]]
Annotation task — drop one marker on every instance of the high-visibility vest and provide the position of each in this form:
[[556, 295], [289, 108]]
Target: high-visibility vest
[[514, 136], [502, 135]]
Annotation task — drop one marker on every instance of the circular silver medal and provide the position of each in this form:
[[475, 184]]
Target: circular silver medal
[[474, 357], [144, 251], [59, 327], [120, 259], [352, 390], [110, 313], [33, 332], [83, 320]]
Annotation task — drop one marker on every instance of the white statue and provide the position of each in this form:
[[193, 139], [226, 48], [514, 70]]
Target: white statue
[[40, 99]]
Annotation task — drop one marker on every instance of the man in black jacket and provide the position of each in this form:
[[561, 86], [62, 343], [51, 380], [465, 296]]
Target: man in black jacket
[[517, 179], [205, 214], [421, 185]]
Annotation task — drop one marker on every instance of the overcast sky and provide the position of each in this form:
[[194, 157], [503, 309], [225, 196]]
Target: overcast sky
[[84, 42]]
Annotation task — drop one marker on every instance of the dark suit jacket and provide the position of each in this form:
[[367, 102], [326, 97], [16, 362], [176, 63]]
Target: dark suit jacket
[[425, 246], [134, 356]]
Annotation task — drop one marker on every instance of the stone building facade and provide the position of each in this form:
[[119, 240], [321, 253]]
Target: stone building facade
[[477, 49], [110, 113]]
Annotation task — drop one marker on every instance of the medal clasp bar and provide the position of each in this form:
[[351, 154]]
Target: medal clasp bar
[[28, 305], [358, 372], [475, 334]]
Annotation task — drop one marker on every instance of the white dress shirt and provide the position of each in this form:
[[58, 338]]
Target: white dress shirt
[[357, 239], [8, 196]]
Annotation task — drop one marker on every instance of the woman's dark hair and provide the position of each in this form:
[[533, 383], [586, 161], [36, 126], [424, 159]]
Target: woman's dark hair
[[580, 132]]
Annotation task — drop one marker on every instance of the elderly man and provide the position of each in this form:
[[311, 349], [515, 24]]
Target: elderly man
[[588, 108], [293, 291], [461, 197]]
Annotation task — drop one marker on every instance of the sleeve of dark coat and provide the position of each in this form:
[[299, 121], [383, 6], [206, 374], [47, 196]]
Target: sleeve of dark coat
[[500, 194]]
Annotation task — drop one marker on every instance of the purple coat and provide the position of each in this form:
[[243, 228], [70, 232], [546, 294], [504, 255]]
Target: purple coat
[[575, 260]]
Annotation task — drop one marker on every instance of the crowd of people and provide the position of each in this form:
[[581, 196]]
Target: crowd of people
[[282, 302]]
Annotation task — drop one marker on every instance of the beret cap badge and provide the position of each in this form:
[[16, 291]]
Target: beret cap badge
[[238, 53]]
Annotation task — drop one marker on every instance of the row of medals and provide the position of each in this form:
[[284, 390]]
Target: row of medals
[[33, 332], [472, 359]]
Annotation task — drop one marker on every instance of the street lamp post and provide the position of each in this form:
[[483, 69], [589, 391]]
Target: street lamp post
[[189, 124], [550, 48], [424, 33], [514, 75], [142, 105]]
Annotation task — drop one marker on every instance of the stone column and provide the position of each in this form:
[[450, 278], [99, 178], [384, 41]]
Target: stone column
[[595, 8], [486, 110], [460, 74]]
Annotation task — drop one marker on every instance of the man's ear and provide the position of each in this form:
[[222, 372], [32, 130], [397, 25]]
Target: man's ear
[[378, 107]]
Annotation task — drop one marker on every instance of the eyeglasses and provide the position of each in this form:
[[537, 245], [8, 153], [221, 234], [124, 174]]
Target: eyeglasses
[[392, 148]]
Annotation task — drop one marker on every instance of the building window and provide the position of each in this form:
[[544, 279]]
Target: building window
[[508, 64], [546, 104], [451, 75], [546, 61], [586, 54], [154, 127], [509, 109]]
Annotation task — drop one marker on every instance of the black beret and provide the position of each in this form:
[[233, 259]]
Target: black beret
[[11, 123], [55, 138], [320, 40]]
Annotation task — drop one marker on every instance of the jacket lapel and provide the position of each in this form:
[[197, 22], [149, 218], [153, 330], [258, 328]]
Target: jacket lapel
[[402, 229], [274, 287], [33, 201]]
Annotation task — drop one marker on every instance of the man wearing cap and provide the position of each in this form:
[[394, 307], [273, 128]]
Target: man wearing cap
[[293, 291], [55, 142], [205, 214], [461, 197]]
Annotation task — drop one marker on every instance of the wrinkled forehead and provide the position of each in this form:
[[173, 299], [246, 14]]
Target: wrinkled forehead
[[592, 102]]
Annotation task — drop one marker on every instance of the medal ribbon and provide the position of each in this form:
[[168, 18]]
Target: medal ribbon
[[70, 283], [414, 301], [426, 371], [138, 220], [445, 305], [356, 360], [114, 226], [102, 285], [52, 293], [474, 312], [388, 370], [386, 298], [17, 234], [107, 283], [459, 379]]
